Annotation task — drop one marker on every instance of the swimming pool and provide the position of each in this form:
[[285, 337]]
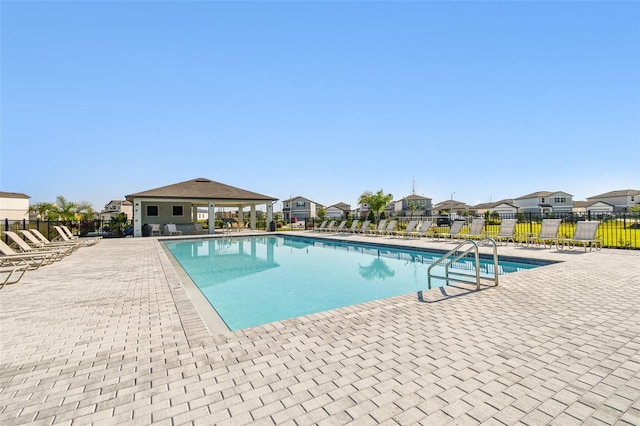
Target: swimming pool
[[260, 279]]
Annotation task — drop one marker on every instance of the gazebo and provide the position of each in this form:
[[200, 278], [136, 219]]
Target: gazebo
[[178, 204]]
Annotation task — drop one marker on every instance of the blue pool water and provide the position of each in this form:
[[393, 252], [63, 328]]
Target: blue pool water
[[256, 280]]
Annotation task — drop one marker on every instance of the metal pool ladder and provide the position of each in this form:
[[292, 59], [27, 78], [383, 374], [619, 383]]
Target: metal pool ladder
[[457, 276]]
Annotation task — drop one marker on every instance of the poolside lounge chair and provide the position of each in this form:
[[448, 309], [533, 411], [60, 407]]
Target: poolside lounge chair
[[340, 227], [584, 234], [65, 237], [26, 248], [38, 243], [506, 232], [33, 260], [11, 271], [548, 233], [364, 228], [88, 242], [455, 229], [330, 227], [322, 225], [155, 229], [172, 230], [411, 226], [354, 226], [388, 229], [475, 230], [423, 230], [380, 227]]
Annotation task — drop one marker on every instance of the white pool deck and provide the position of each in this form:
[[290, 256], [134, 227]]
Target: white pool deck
[[110, 335]]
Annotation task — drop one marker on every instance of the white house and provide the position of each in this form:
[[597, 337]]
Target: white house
[[338, 211], [544, 202], [114, 207], [621, 200], [504, 208], [14, 206]]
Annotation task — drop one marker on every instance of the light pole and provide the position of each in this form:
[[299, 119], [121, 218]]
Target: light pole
[[451, 208]]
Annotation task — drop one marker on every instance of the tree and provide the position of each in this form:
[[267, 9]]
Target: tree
[[376, 202], [322, 213], [66, 209], [46, 211]]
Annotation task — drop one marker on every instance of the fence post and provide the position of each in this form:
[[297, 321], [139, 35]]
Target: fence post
[[6, 228], [24, 223]]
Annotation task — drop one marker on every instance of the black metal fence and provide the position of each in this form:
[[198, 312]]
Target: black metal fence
[[619, 230]]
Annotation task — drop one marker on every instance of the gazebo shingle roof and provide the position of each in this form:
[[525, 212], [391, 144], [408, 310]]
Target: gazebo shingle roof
[[201, 188]]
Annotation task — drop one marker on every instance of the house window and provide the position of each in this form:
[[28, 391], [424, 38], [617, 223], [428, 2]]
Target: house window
[[152, 210], [560, 200], [300, 204], [543, 200], [177, 210], [632, 198]]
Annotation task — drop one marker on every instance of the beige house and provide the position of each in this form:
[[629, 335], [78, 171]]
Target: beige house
[[299, 208], [14, 206], [621, 200], [114, 208], [178, 204]]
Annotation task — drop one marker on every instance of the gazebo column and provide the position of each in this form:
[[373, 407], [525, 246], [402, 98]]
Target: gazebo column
[[269, 214], [194, 213], [253, 216], [137, 217], [212, 217], [240, 215]]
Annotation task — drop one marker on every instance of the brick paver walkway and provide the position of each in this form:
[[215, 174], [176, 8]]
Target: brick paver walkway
[[109, 336]]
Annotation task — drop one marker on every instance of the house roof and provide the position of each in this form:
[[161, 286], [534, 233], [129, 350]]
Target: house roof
[[619, 193], [303, 198], [13, 195], [542, 194], [448, 203], [341, 206], [415, 197], [580, 204], [202, 189], [493, 204]]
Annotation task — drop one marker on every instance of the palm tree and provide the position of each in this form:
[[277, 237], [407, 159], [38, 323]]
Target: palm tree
[[66, 209], [376, 202]]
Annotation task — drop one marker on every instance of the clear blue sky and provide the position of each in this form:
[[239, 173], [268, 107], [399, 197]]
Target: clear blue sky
[[489, 100]]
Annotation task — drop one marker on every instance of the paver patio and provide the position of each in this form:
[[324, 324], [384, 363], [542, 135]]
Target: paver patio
[[109, 336]]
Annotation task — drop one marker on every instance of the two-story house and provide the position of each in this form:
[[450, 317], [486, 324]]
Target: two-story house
[[545, 202], [338, 211], [114, 207], [299, 208], [413, 205], [14, 206], [454, 207], [622, 200], [503, 208]]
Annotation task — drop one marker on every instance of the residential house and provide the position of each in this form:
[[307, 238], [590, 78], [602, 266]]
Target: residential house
[[453, 206], [413, 205], [299, 208], [591, 209], [622, 200], [114, 208], [14, 206], [544, 202], [504, 208], [338, 211]]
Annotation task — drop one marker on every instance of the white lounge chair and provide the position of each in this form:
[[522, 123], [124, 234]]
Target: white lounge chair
[[33, 260], [548, 233], [506, 233], [353, 227], [330, 227], [475, 230], [584, 234], [340, 227], [155, 229], [26, 248], [172, 230], [37, 243], [388, 229], [411, 226], [11, 271], [364, 228], [455, 229], [322, 226], [380, 227], [88, 242], [423, 230]]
